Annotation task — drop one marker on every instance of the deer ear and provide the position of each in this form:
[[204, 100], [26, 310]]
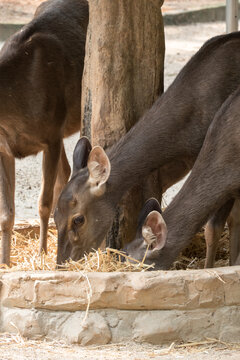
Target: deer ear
[[99, 168], [80, 154], [150, 205], [154, 231]]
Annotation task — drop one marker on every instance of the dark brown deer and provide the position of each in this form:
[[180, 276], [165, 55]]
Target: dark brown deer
[[40, 90], [212, 187], [169, 136], [151, 232]]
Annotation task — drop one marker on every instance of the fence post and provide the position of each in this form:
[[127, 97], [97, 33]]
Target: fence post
[[231, 15]]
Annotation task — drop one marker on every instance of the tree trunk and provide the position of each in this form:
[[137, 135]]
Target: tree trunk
[[122, 78]]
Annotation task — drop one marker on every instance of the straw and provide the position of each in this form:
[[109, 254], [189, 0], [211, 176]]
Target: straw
[[24, 256]]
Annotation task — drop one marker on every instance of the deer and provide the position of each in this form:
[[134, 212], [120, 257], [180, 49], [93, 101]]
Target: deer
[[169, 137], [41, 69], [212, 188], [152, 232]]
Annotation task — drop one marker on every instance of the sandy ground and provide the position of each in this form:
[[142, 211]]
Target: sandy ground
[[21, 11], [173, 6], [181, 43], [17, 11], [15, 347]]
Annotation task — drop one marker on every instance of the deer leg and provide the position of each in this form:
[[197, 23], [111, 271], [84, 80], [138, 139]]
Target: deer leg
[[64, 171], [7, 209], [49, 173], [213, 231], [234, 232]]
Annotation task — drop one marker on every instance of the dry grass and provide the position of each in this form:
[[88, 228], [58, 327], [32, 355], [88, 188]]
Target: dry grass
[[25, 252], [193, 257], [24, 256], [29, 349], [106, 261]]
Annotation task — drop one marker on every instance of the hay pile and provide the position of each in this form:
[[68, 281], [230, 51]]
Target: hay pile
[[24, 252], [106, 261], [193, 257], [24, 256]]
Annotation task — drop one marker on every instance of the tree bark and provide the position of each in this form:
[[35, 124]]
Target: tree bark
[[123, 76]]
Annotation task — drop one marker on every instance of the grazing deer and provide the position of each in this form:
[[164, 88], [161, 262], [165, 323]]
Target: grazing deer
[[151, 232], [169, 136], [212, 188], [41, 69]]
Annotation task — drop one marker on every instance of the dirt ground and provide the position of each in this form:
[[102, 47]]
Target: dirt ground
[[170, 6], [15, 347], [17, 11], [21, 11]]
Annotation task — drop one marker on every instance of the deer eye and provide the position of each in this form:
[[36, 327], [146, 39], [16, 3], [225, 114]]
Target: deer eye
[[79, 220]]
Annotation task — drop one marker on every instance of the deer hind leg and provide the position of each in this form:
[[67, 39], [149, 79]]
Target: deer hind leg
[[50, 164], [64, 171], [234, 232], [7, 207], [213, 231]]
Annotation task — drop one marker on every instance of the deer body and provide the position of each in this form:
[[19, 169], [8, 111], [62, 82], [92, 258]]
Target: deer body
[[212, 186], [41, 69], [152, 233], [169, 136]]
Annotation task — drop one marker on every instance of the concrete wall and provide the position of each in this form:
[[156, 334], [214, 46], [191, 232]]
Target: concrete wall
[[156, 307]]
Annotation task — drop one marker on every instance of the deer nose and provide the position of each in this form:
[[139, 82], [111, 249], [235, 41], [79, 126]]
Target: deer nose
[[77, 253], [64, 249]]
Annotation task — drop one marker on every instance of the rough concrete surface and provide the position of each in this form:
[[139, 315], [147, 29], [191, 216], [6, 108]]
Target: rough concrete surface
[[157, 290], [154, 327], [100, 308]]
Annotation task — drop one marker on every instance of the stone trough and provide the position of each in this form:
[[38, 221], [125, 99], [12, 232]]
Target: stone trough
[[100, 308]]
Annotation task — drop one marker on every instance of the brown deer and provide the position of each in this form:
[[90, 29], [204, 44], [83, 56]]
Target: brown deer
[[212, 187], [169, 136], [151, 232], [41, 69]]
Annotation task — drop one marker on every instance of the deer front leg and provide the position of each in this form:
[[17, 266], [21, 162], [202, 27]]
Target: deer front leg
[[234, 232], [7, 209], [64, 171], [49, 173], [213, 231]]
